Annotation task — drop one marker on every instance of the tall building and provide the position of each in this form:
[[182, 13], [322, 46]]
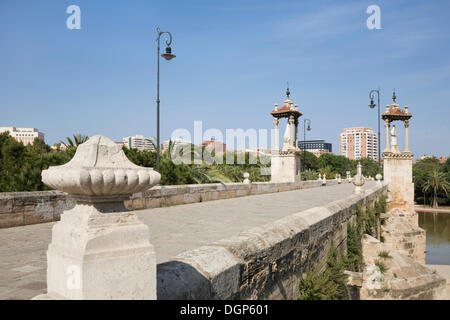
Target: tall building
[[214, 145], [316, 147], [139, 142], [175, 142], [358, 143], [24, 135]]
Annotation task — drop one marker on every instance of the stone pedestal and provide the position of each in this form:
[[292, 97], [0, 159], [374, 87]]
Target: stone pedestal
[[359, 180], [285, 167], [401, 230], [98, 249], [97, 253], [398, 175]]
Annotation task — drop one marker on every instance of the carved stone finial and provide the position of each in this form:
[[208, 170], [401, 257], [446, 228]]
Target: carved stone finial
[[379, 177], [246, 176], [358, 180], [349, 177], [99, 239], [100, 169]]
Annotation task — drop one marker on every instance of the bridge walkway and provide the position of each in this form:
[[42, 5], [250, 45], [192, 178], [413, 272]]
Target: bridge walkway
[[172, 230]]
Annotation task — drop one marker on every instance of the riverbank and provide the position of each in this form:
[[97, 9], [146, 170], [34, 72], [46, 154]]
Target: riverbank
[[444, 271], [430, 209]]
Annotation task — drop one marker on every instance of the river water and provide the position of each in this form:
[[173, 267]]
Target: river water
[[437, 226]]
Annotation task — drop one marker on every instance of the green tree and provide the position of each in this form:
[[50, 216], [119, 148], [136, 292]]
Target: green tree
[[309, 161], [77, 140], [436, 181]]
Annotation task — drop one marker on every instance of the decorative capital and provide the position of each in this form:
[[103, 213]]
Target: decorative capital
[[100, 170]]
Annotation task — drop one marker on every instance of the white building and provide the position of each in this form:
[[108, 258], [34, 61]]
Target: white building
[[139, 142], [24, 135], [175, 142], [358, 143]]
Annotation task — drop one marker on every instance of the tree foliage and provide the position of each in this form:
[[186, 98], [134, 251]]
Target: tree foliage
[[429, 173], [21, 165]]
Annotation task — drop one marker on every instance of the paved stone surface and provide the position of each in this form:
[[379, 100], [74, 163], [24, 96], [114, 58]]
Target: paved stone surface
[[172, 230], [443, 270]]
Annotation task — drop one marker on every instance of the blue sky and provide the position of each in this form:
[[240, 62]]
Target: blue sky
[[233, 61]]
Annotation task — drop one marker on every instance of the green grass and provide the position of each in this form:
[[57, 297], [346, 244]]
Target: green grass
[[383, 268], [384, 254], [331, 284]]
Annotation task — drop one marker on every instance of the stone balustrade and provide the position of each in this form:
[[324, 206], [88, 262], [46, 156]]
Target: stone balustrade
[[24, 208], [264, 262]]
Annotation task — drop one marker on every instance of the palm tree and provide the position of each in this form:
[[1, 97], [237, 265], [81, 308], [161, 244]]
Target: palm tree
[[203, 174], [328, 170], [77, 140], [436, 181]]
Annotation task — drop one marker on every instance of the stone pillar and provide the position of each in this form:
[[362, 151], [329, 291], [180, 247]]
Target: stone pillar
[[406, 134], [296, 134], [98, 249], [277, 134], [387, 126], [359, 180], [291, 130], [246, 176]]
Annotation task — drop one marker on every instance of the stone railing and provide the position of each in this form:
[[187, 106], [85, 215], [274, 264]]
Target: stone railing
[[24, 208], [263, 262]]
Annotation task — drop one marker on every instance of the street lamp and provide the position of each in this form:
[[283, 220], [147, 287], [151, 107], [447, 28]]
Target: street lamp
[[372, 105], [168, 56], [304, 140]]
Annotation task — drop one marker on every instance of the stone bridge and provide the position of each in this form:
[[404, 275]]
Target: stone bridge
[[249, 247]]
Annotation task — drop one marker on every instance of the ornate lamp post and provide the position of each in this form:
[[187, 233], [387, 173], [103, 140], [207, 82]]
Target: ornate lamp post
[[372, 105], [168, 56], [304, 140]]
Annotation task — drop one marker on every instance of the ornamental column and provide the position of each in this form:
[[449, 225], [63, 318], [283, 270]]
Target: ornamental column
[[387, 126], [291, 129], [296, 134], [277, 134], [406, 132], [99, 250]]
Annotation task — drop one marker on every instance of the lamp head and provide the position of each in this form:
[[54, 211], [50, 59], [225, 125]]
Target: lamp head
[[168, 55], [309, 128], [372, 104]]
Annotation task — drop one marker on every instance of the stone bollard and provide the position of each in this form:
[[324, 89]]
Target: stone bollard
[[339, 180], [324, 180], [246, 175], [379, 177], [99, 250], [349, 177], [358, 180], [320, 177]]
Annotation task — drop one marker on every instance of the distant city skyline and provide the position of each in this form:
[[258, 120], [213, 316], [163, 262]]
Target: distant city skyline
[[233, 62], [357, 143]]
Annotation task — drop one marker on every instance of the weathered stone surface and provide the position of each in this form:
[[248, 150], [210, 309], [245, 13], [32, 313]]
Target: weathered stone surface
[[197, 225], [266, 261], [98, 250], [402, 234], [98, 168], [404, 279], [47, 206]]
